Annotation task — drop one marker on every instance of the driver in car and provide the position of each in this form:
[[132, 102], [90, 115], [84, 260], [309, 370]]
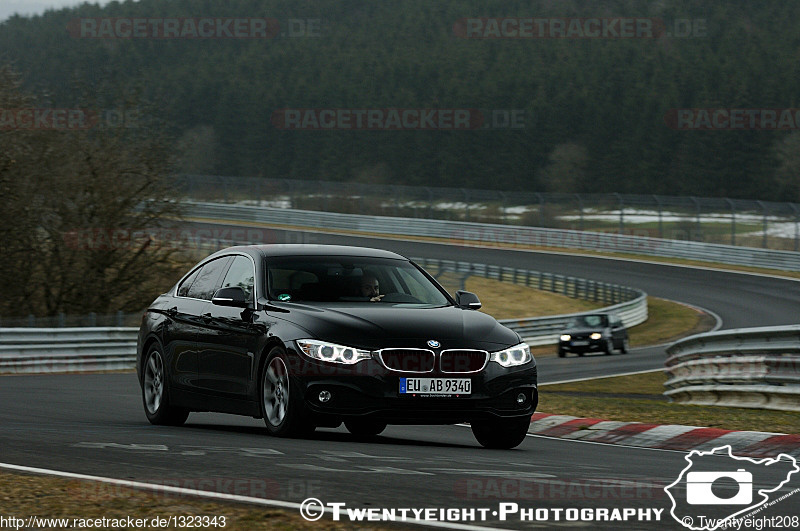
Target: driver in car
[[370, 287]]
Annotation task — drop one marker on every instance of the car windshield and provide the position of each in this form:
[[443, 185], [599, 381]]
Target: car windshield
[[352, 280], [590, 321]]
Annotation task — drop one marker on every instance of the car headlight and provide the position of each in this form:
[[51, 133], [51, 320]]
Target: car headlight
[[565, 337], [323, 351], [596, 335], [511, 357]]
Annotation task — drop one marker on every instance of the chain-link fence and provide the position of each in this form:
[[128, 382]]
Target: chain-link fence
[[712, 220]]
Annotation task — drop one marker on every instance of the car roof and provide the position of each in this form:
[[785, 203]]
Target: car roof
[[299, 249]]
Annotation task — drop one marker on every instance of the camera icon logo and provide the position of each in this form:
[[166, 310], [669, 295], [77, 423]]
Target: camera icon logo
[[698, 488]]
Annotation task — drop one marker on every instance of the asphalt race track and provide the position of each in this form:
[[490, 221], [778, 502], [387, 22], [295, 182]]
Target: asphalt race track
[[94, 424]]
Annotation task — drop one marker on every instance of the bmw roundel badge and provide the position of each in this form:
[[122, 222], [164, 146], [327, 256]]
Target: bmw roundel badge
[[433, 343]]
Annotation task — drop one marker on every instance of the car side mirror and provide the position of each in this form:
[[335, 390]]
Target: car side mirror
[[467, 300], [233, 297]]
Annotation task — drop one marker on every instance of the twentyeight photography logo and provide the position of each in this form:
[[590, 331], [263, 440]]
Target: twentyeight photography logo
[[719, 490]]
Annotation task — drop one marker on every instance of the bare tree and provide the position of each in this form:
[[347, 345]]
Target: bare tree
[[68, 194]]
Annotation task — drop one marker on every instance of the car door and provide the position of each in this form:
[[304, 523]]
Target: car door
[[229, 338], [179, 333], [617, 330], [186, 321]]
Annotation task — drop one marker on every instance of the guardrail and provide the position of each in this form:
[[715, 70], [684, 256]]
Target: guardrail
[[46, 350], [629, 303], [741, 222], [486, 234], [746, 367]]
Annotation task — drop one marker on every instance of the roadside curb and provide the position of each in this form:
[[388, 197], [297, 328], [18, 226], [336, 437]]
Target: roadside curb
[[664, 437]]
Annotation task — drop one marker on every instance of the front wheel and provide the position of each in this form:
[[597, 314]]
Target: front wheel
[[501, 434], [155, 392], [608, 347], [281, 401], [623, 349]]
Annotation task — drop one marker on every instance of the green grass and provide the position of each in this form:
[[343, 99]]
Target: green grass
[[638, 398], [506, 300], [668, 321]]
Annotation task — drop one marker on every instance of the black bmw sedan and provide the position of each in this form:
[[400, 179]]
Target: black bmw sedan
[[308, 336]]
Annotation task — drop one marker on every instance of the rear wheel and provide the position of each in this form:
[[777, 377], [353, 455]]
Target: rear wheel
[[155, 392], [282, 405], [364, 428], [624, 347], [501, 434]]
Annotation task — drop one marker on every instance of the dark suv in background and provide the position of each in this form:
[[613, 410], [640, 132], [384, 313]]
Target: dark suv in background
[[597, 332]]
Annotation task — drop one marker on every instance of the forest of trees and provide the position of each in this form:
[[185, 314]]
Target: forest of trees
[[594, 109]]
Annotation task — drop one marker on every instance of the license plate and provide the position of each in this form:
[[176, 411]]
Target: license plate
[[580, 343], [435, 386]]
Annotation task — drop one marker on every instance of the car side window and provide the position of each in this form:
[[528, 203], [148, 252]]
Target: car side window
[[289, 282], [183, 289], [241, 275], [413, 286], [207, 279]]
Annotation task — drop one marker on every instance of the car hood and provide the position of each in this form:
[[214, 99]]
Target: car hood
[[374, 326]]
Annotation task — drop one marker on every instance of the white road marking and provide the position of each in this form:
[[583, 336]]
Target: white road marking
[[360, 469], [244, 452], [179, 491], [492, 473], [346, 455], [118, 446]]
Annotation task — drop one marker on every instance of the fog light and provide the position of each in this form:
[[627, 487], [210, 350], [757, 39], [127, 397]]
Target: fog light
[[521, 398], [324, 396]]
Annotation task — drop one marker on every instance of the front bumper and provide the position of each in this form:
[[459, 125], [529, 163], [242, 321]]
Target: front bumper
[[368, 390], [583, 345]]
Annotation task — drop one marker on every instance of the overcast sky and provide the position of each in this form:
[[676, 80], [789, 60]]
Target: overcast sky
[[36, 7]]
